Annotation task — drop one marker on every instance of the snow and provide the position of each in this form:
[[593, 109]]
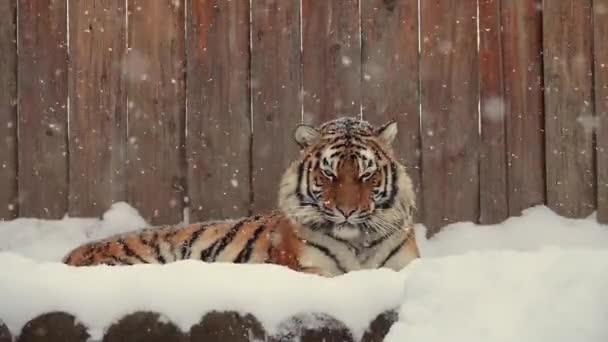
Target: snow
[[50, 240], [539, 277], [549, 295], [184, 291]]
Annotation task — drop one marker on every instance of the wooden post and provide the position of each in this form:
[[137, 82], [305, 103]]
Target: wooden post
[[98, 106], [43, 116], [154, 70]]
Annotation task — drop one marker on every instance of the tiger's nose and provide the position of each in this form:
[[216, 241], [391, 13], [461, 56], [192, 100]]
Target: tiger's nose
[[346, 212]]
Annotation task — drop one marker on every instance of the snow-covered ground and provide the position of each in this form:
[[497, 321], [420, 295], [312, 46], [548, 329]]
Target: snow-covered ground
[[536, 278]]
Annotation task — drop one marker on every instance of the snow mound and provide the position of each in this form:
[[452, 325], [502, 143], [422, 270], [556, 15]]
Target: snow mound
[[184, 291], [537, 228], [535, 278], [550, 295], [51, 240]]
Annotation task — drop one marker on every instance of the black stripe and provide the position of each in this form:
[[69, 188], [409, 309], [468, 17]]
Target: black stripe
[[395, 186], [393, 252], [87, 261], [308, 181], [300, 175], [245, 253], [159, 256], [333, 155], [328, 253], [206, 253], [187, 246], [130, 252], [227, 239], [390, 201], [119, 261], [377, 241], [210, 253], [142, 240]]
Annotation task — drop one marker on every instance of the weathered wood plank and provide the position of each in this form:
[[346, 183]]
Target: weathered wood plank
[[523, 103], [331, 59], [154, 71], [493, 206], [450, 122], [42, 87], [277, 103], [98, 106], [219, 126], [389, 32], [569, 106], [8, 109], [600, 25]]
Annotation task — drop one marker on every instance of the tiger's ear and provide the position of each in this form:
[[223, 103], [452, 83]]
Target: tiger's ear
[[387, 132], [306, 135]]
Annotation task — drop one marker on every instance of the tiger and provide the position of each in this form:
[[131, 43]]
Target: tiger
[[345, 204]]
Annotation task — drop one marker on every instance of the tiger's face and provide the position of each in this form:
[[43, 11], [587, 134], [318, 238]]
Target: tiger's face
[[346, 182]]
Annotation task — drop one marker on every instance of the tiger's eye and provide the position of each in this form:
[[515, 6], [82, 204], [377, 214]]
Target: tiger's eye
[[327, 174]]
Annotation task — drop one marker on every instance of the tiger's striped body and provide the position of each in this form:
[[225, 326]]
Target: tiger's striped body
[[345, 205], [258, 239]]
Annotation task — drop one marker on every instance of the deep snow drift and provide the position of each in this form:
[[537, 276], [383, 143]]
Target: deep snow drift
[[539, 277]]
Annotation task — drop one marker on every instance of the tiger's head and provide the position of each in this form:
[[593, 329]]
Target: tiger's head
[[346, 182]]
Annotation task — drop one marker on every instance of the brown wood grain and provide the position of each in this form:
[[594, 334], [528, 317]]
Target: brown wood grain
[[449, 93], [600, 25], [331, 59], [523, 102], [42, 87], [389, 32], [493, 204], [219, 125], [569, 106], [98, 106], [276, 100], [154, 71], [8, 109]]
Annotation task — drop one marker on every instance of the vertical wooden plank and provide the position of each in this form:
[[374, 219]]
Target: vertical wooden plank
[[569, 107], [600, 26], [98, 106], [154, 68], [42, 87], [331, 59], [523, 103], [389, 32], [450, 126], [8, 109], [276, 80], [493, 206], [219, 126]]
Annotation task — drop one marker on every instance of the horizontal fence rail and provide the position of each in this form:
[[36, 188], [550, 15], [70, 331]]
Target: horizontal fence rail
[[188, 106]]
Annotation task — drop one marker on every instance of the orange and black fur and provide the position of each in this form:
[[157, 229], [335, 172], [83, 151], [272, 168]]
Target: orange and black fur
[[346, 204]]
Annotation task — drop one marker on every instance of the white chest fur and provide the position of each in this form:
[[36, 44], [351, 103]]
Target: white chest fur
[[333, 257]]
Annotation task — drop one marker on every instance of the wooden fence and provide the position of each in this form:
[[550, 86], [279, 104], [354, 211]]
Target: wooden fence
[[167, 104]]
